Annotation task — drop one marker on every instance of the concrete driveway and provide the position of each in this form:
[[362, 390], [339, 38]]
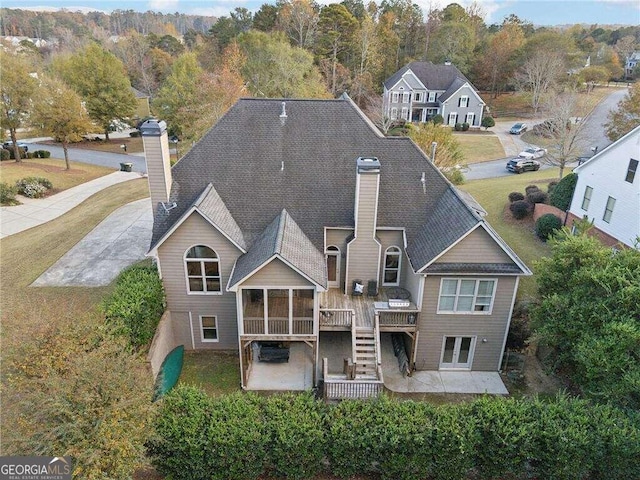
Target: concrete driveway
[[120, 240]]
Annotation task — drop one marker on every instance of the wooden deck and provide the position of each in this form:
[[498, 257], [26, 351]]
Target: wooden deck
[[363, 306]]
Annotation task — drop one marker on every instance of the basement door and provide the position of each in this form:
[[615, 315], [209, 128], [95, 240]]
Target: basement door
[[457, 353]]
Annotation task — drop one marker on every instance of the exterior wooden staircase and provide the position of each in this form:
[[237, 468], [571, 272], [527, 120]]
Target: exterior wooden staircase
[[365, 353]]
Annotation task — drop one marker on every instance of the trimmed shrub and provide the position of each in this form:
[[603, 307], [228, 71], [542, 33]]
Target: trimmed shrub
[[29, 154], [563, 192], [546, 225], [41, 154], [551, 185], [134, 134], [136, 304], [465, 126], [5, 154], [538, 196], [437, 119], [7, 194], [520, 209], [297, 435], [515, 196], [531, 188], [488, 122], [458, 127], [33, 187]]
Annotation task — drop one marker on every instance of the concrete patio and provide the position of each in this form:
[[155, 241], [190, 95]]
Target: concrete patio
[[296, 374]]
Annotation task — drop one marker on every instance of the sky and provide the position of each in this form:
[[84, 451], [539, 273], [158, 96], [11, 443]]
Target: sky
[[538, 12]]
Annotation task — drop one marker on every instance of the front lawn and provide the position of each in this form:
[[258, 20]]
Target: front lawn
[[492, 194], [479, 147], [53, 169]]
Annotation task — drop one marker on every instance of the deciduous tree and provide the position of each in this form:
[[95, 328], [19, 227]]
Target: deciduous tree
[[60, 113], [540, 72], [447, 154], [16, 89], [299, 20], [626, 117], [336, 29], [101, 80]]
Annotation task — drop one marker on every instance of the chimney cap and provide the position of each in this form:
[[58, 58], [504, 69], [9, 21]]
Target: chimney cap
[[368, 164], [153, 128]]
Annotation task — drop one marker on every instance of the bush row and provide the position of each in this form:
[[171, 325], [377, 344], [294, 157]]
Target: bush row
[[33, 187], [136, 304], [243, 436], [9, 154]]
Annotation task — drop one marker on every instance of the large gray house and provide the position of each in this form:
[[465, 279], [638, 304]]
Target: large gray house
[[298, 222], [420, 90]]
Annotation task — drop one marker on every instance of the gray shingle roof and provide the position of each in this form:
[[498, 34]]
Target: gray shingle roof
[[260, 166], [284, 238], [453, 88], [434, 77], [216, 211], [497, 268]]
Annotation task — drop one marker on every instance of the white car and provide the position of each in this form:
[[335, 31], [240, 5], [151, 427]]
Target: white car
[[533, 153]]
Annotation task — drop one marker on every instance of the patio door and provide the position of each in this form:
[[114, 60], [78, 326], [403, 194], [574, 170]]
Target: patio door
[[333, 266], [457, 353]]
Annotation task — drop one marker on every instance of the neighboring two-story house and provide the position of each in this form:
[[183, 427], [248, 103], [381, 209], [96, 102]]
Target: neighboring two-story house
[[608, 192], [298, 222], [420, 90], [630, 64]]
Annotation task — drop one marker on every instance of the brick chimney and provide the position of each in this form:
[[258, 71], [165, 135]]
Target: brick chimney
[[363, 252], [156, 152]]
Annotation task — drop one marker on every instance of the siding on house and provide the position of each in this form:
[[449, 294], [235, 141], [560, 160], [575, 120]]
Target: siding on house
[[276, 274], [452, 104], [477, 247], [157, 148], [195, 230], [434, 327]]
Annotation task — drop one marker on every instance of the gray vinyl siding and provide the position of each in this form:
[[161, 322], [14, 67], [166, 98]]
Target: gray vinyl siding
[[159, 172], [475, 106], [410, 280], [276, 274], [197, 231], [364, 249], [338, 238], [477, 247], [433, 327]]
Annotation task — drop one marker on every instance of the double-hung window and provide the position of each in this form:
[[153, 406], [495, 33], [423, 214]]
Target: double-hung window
[[417, 96], [432, 96], [463, 101], [586, 199], [394, 113], [608, 210], [208, 328], [631, 171], [466, 295], [394, 97], [406, 96], [203, 270]]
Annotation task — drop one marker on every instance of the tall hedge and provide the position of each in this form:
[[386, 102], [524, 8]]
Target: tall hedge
[[562, 193], [136, 304], [244, 436]]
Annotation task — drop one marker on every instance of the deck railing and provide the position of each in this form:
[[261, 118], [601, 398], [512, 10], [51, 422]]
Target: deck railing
[[336, 317], [337, 387], [397, 318], [278, 326]]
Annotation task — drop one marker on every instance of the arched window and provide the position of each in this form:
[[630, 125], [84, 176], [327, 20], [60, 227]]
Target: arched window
[[203, 270], [391, 271]]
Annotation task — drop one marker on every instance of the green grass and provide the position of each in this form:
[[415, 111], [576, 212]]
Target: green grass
[[215, 372], [52, 169], [478, 147], [492, 194]]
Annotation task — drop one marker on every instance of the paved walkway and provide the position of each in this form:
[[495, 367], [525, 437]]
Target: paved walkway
[[36, 211], [120, 240]]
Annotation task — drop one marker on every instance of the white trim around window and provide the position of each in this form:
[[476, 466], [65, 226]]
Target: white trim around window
[[453, 119], [586, 199], [608, 209], [417, 97], [406, 97], [208, 328], [394, 97], [405, 113], [470, 118], [467, 296], [202, 271], [394, 113], [463, 101], [432, 97], [457, 352], [391, 265]]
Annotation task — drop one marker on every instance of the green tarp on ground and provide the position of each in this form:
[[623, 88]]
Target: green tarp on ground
[[169, 372]]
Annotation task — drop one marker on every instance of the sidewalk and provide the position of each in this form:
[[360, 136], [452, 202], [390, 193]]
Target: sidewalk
[[36, 211]]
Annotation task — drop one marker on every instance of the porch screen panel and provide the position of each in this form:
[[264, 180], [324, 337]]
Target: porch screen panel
[[278, 312], [253, 311], [302, 312]]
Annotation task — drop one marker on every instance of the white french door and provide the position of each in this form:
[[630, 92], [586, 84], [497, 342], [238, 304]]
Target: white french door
[[457, 353]]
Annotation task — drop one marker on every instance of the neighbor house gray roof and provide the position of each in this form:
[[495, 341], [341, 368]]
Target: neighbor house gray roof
[[496, 268], [282, 238], [260, 164], [433, 76]]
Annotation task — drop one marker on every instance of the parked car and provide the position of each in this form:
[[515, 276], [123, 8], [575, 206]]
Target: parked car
[[518, 128], [533, 153], [519, 165], [9, 146]]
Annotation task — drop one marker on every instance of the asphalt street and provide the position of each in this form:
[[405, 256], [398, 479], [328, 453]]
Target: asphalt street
[[594, 131]]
